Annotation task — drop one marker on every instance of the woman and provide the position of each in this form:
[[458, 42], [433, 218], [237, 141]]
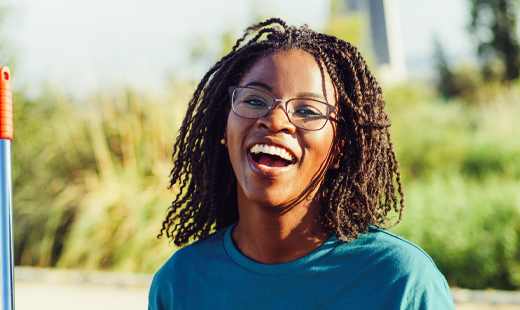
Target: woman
[[286, 157]]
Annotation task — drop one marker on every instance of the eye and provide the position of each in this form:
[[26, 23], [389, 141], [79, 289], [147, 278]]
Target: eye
[[254, 102], [306, 112], [310, 109]]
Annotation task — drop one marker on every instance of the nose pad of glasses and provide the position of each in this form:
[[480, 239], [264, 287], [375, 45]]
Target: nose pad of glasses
[[279, 104]]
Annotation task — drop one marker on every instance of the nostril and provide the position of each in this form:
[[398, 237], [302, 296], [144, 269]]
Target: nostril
[[276, 120]]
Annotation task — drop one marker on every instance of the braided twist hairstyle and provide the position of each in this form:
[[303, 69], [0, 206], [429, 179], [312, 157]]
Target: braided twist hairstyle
[[361, 192]]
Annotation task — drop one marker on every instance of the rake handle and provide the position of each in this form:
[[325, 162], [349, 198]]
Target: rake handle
[[6, 218]]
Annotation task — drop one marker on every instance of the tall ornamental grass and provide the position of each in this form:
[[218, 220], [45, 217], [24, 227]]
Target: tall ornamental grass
[[90, 178]]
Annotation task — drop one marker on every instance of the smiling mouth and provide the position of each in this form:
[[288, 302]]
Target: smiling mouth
[[271, 156]]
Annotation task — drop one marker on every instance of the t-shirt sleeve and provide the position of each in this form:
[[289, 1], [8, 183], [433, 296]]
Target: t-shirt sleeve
[[160, 295], [434, 296]]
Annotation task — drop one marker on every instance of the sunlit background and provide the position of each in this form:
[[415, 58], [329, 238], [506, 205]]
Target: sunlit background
[[101, 88], [86, 45]]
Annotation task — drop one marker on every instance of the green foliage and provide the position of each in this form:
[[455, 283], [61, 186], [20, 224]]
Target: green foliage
[[473, 140], [494, 24], [446, 79], [90, 179], [470, 228], [461, 83], [43, 173], [468, 83], [461, 178]]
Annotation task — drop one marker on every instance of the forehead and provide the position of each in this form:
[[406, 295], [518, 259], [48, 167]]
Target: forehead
[[293, 71]]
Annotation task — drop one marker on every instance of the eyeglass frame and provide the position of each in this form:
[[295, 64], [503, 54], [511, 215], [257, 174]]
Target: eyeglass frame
[[332, 109]]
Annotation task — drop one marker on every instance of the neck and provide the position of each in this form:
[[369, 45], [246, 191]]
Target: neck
[[272, 235]]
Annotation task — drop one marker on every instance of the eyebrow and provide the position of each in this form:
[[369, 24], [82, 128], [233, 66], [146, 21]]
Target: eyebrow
[[260, 84], [312, 95], [301, 95]]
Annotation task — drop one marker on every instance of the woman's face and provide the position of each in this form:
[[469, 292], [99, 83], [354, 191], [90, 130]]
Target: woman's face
[[272, 180]]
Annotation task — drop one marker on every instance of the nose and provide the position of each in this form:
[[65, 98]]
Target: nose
[[276, 120]]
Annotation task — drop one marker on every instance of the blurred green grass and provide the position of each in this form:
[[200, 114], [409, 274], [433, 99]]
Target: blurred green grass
[[90, 179], [461, 172]]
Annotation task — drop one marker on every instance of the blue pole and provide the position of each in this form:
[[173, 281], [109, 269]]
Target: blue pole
[[6, 237], [6, 198]]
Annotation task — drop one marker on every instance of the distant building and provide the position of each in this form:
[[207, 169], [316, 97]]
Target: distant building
[[385, 37]]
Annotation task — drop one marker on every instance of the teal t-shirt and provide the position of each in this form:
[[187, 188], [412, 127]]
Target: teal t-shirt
[[375, 271]]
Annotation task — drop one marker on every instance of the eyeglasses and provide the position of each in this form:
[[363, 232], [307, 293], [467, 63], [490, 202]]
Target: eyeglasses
[[303, 113]]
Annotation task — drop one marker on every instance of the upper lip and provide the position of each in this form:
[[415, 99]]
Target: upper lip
[[273, 142]]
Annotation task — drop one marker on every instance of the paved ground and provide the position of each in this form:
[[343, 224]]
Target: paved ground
[[30, 296], [64, 290]]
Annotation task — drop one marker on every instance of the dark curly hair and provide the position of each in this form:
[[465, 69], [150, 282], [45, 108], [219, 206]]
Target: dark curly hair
[[361, 192]]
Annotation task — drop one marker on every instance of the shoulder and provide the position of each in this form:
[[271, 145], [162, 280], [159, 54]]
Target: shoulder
[[386, 247], [192, 254], [401, 267], [389, 258], [182, 268]]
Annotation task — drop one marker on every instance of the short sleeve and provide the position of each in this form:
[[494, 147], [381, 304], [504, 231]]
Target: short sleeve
[[160, 295], [434, 296]]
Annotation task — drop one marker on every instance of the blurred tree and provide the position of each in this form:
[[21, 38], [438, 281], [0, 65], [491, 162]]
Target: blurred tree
[[493, 23], [462, 82], [446, 80]]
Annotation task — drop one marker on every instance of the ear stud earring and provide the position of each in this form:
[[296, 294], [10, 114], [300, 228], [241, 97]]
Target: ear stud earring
[[223, 141], [336, 166]]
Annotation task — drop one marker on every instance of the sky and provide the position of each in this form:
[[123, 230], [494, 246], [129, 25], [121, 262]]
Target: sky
[[87, 45]]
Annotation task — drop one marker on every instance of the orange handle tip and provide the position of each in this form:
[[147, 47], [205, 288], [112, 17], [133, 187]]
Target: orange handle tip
[[6, 104]]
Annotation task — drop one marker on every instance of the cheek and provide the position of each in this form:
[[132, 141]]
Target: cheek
[[231, 138], [320, 145], [238, 126], [236, 130], [323, 139], [232, 129]]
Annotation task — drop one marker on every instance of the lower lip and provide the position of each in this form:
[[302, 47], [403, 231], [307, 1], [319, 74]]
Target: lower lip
[[266, 171]]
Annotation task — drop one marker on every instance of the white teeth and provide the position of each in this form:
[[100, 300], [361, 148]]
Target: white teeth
[[272, 150]]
